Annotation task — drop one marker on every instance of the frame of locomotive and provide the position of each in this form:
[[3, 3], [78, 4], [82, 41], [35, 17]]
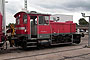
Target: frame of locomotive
[[35, 29]]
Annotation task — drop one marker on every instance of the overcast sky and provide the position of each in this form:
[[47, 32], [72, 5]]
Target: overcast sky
[[69, 7]]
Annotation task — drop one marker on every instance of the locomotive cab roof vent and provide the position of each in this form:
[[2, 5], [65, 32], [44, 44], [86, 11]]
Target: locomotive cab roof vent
[[34, 12]]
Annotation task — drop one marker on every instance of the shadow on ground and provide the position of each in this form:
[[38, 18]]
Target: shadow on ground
[[20, 50]]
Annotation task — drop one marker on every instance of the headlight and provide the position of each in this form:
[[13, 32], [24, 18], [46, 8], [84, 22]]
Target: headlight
[[25, 30]]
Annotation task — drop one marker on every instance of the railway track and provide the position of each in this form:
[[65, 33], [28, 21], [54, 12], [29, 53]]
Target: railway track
[[81, 56], [42, 54], [53, 52], [19, 50]]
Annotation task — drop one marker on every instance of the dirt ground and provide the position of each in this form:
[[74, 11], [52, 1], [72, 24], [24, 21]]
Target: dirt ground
[[60, 52]]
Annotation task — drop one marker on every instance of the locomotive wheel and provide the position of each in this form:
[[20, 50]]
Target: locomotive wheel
[[78, 41], [24, 45], [39, 46]]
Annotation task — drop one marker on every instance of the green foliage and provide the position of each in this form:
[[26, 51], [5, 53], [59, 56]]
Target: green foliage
[[76, 24], [82, 21], [10, 24]]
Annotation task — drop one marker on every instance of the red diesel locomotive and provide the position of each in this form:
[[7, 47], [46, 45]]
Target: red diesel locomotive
[[35, 29], [3, 43], [0, 28]]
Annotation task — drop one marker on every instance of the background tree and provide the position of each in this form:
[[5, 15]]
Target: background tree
[[82, 21], [76, 24], [10, 24]]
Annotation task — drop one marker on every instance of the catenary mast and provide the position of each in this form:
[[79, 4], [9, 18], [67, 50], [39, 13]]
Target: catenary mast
[[25, 4]]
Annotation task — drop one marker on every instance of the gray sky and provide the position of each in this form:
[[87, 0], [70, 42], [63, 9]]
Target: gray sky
[[70, 7]]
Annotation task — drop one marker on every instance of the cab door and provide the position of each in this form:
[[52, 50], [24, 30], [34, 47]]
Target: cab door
[[33, 26], [43, 27]]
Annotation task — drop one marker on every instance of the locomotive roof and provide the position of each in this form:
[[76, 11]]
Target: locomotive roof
[[31, 13]]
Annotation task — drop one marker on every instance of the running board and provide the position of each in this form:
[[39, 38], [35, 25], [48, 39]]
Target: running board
[[62, 43], [31, 46]]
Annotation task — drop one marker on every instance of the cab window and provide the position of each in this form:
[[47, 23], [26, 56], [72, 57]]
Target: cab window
[[25, 19], [43, 20], [17, 20], [47, 19]]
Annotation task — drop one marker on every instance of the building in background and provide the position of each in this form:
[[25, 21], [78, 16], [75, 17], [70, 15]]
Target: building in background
[[62, 17]]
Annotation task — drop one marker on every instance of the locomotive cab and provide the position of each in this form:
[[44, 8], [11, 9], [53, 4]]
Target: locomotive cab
[[31, 24], [32, 27]]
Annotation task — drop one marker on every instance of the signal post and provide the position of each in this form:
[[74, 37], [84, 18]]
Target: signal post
[[83, 14]]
